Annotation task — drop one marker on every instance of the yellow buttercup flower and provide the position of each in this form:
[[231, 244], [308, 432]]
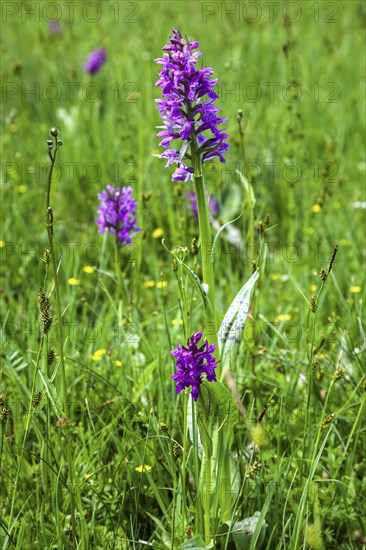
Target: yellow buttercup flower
[[2, 244], [158, 232], [316, 208], [149, 284], [143, 468], [73, 282], [355, 289], [313, 288], [118, 363], [98, 354], [282, 317], [89, 268], [161, 284]]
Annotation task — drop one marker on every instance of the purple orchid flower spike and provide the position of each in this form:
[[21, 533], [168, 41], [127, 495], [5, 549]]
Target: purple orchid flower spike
[[192, 363], [187, 108], [117, 213]]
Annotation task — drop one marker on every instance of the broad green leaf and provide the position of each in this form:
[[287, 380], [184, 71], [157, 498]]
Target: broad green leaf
[[217, 405], [216, 410], [191, 410], [228, 472], [242, 532], [204, 434], [232, 326]]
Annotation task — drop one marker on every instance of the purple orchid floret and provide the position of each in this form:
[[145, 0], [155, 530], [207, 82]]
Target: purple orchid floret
[[212, 204], [187, 107], [192, 363], [117, 213], [95, 61]]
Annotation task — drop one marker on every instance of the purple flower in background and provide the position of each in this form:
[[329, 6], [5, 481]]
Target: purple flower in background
[[54, 27], [212, 204], [117, 213], [95, 61], [192, 362], [187, 107]]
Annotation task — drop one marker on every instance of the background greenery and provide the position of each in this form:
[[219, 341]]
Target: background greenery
[[305, 159]]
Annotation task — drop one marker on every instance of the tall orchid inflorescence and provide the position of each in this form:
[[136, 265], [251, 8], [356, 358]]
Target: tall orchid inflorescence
[[186, 114], [117, 213]]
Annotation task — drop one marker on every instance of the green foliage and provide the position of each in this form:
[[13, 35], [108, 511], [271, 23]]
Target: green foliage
[[304, 165], [235, 318]]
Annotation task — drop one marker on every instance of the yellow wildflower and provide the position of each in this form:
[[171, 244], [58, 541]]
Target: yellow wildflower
[[89, 268], [143, 468], [161, 284], [355, 289], [98, 354], [282, 317], [158, 232]]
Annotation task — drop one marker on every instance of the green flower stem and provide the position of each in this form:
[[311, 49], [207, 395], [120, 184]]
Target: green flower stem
[[208, 279], [50, 223], [310, 382], [121, 285], [55, 278], [184, 464], [206, 242], [324, 409], [174, 508], [196, 459], [183, 298], [207, 499]]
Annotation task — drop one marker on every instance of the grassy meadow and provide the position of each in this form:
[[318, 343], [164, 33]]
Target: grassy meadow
[[97, 449]]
